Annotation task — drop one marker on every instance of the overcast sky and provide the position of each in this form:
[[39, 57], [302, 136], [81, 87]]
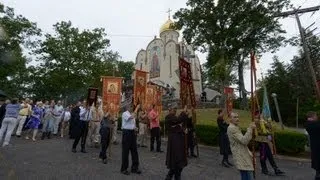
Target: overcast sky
[[123, 19]]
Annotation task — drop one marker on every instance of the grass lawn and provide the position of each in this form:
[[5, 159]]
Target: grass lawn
[[209, 116]]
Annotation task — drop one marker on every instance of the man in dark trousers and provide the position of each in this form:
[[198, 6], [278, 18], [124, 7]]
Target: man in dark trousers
[[75, 117], [155, 129], [106, 125], [313, 129], [188, 125], [129, 141], [176, 158], [81, 128]]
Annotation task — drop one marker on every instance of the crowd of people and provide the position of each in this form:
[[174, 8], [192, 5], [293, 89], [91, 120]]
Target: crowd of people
[[82, 121], [90, 122]]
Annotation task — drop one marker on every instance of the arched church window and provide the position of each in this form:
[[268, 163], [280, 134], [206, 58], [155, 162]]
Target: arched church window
[[140, 66]]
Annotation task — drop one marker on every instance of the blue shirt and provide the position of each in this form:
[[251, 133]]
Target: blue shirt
[[128, 121], [12, 110]]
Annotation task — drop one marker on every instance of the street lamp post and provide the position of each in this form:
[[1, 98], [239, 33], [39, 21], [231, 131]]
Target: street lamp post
[[274, 95]]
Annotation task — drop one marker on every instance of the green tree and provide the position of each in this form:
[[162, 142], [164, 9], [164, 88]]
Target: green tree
[[125, 69], [229, 30], [18, 35], [292, 81], [72, 60]]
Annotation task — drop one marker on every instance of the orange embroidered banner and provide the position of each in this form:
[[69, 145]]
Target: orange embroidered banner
[[150, 96], [140, 87], [158, 100], [229, 101], [111, 94]]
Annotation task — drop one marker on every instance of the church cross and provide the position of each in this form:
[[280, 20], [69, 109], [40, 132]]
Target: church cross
[[169, 11]]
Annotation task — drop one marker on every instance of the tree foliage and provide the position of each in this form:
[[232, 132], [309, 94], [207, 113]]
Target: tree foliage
[[292, 81], [63, 64], [18, 34], [229, 30], [72, 60]]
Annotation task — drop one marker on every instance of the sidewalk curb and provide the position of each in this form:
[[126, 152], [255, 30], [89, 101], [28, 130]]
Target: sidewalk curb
[[280, 157]]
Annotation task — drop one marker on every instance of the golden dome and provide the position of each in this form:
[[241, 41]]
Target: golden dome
[[167, 26]]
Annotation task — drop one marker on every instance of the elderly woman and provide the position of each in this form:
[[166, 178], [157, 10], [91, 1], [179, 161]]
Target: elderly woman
[[48, 120], [34, 121]]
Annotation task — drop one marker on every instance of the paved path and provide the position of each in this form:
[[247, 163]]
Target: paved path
[[52, 159]]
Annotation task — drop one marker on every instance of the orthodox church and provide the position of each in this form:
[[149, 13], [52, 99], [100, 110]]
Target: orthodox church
[[161, 60]]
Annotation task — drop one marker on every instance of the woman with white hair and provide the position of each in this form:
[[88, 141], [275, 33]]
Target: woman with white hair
[[34, 121]]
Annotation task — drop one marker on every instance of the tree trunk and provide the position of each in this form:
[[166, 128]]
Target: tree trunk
[[242, 90]]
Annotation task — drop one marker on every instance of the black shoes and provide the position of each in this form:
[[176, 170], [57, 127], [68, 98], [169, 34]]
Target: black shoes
[[224, 164], [44, 134], [278, 172], [83, 151], [126, 172], [104, 161], [74, 150], [159, 151], [136, 171], [229, 164]]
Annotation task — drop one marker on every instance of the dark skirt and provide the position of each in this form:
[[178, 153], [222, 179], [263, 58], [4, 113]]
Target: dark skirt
[[224, 144], [176, 151]]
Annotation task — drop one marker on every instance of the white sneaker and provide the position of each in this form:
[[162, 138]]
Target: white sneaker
[[27, 138], [5, 144]]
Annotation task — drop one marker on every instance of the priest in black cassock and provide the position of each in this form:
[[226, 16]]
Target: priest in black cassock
[[176, 150]]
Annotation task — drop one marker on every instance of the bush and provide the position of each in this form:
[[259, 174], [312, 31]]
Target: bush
[[207, 135], [290, 142], [287, 142]]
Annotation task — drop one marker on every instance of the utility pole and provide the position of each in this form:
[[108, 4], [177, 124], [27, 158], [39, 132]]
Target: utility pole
[[303, 39]]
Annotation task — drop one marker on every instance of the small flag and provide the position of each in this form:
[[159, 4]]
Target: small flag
[[265, 107]]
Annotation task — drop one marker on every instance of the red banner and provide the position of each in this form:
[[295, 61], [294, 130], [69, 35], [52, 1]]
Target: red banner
[[111, 94], [150, 96], [229, 101], [140, 87], [187, 95]]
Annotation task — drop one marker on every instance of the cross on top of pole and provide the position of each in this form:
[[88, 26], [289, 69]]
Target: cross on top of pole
[[169, 12]]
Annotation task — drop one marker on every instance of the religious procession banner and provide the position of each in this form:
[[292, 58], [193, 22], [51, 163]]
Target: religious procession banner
[[158, 100], [228, 91], [92, 96], [111, 94], [150, 96], [187, 95], [140, 87]]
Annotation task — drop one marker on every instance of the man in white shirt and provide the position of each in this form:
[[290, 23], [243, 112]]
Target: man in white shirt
[[57, 113], [129, 141], [81, 128]]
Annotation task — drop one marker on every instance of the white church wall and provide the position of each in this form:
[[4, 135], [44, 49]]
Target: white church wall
[[141, 60], [170, 67], [166, 36], [155, 57]]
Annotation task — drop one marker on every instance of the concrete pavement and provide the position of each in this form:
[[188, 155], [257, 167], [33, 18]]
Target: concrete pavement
[[52, 159]]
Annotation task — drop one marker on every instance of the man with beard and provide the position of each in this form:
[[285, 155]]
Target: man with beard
[[176, 158], [75, 117]]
